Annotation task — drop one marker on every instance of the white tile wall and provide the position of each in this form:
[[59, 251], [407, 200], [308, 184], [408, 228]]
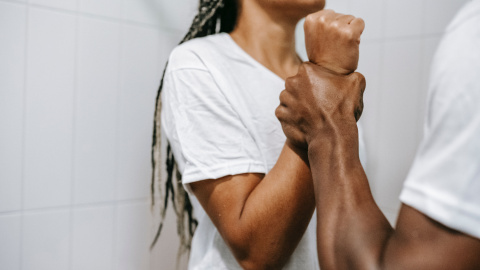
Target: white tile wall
[[10, 237], [140, 77], [78, 80], [340, 6], [370, 67], [403, 18], [438, 13], [145, 11], [178, 14], [107, 8], [92, 238], [96, 110], [60, 4], [399, 119], [49, 108], [167, 246], [12, 81], [133, 237], [46, 237]]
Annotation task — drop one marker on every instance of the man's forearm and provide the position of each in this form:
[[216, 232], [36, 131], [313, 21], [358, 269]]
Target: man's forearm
[[351, 230]]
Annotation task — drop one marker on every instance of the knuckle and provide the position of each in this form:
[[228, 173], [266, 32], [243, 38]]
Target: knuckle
[[279, 112], [283, 96], [362, 81], [358, 79], [310, 19], [360, 21], [335, 24], [349, 33]]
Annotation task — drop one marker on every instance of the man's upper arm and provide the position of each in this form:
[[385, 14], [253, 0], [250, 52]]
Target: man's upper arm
[[442, 189], [422, 243]]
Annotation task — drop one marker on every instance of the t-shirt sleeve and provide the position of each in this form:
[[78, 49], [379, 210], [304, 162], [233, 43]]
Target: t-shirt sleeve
[[205, 132], [444, 182]]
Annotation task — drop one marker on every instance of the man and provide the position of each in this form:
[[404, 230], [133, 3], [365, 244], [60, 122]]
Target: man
[[439, 222]]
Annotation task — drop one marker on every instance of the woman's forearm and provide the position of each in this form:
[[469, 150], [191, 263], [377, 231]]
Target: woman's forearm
[[261, 217], [277, 212]]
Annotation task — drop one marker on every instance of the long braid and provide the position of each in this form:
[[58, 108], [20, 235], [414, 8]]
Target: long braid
[[211, 14]]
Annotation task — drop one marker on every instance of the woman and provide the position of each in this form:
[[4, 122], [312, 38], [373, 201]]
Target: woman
[[251, 191]]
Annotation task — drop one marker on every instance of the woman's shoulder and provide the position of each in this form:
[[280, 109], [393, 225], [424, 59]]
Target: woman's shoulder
[[193, 53]]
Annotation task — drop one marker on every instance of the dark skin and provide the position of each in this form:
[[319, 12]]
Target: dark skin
[[318, 112]]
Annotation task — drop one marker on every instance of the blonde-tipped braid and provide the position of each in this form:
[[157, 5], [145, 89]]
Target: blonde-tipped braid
[[213, 16]]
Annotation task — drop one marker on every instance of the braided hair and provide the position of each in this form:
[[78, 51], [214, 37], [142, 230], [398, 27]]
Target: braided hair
[[213, 16]]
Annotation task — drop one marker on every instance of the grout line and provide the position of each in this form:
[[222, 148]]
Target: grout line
[[24, 127], [74, 137], [424, 76], [116, 140], [78, 206], [101, 17], [413, 37], [15, 2], [377, 128]]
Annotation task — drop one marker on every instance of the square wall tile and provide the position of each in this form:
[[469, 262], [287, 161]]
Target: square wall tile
[[49, 108], [46, 238], [107, 8], [12, 77], [10, 235], [403, 18], [140, 77], [439, 13], [133, 238], [96, 111], [373, 13], [399, 120], [93, 231], [62, 4]]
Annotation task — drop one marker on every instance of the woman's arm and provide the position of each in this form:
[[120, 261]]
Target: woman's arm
[[261, 217]]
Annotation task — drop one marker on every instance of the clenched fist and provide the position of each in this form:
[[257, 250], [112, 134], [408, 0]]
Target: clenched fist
[[317, 103], [332, 40]]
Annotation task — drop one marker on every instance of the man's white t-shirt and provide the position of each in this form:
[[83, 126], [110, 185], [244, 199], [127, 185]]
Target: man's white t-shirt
[[444, 181], [219, 116]]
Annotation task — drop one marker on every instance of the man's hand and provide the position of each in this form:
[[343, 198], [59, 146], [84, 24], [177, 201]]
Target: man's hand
[[317, 102], [332, 40]]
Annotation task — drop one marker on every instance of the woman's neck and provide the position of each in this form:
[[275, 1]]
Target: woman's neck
[[270, 41]]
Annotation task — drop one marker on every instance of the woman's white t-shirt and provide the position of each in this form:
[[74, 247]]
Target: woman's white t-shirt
[[219, 116]]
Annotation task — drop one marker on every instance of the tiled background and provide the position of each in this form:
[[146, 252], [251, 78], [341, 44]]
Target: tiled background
[[78, 80]]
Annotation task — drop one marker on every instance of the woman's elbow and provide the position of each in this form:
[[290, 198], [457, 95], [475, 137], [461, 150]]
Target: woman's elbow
[[261, 264]]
